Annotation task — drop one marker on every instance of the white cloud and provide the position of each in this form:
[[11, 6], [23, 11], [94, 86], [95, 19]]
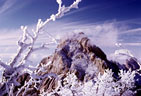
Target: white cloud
[[101, 34], [8, 37], [10, 6], [7, 5], [131, 31], [132, 44]]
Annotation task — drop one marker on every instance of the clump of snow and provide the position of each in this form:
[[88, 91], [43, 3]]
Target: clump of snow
[[121, 55]]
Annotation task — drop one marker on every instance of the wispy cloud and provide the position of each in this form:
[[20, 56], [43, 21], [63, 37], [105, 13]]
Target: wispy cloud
[[7, 5], [106, 34], [131, 31], [132, 44], [8, 41], [103, 35]]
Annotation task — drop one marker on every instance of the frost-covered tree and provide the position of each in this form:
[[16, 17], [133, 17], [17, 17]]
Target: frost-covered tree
[[18, 64]]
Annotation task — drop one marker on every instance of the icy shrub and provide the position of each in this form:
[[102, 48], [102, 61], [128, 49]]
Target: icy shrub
[[102, 85]]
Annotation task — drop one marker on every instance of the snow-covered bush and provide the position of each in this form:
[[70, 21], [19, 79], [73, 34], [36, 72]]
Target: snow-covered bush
[[102, 85]]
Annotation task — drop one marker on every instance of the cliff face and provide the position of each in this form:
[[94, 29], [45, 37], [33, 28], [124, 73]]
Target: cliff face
[[75, 55]]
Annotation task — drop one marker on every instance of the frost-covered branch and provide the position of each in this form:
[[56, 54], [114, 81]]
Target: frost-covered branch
[[27, 36], [26, 48], [22, 45]]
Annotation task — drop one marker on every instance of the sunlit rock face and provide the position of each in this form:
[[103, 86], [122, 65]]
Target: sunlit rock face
[[77, 55]]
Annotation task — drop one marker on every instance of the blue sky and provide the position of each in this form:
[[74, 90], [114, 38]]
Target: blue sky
[[106, 22], [14, 13]]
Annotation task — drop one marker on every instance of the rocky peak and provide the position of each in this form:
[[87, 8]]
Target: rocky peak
[[76, 54]]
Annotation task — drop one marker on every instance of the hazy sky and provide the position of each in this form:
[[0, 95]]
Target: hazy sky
[[106, 22]]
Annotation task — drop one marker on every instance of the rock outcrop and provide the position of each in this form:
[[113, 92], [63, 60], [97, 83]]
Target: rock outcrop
[[75, 55]]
